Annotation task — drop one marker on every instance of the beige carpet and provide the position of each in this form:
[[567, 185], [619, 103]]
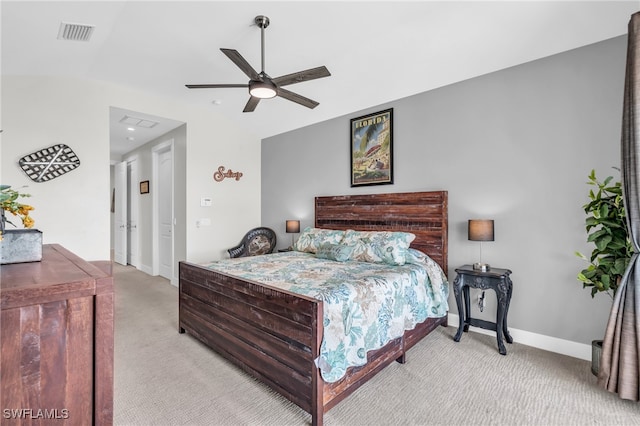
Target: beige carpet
[[166, 378]]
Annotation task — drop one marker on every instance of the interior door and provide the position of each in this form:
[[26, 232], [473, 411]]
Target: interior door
[[165, 213], [120, 219], [132, 214]]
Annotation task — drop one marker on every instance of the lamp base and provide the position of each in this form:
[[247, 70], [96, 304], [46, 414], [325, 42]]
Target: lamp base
[[483, 267]]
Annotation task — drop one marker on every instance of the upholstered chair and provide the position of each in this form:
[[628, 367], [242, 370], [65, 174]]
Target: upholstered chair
[[257, 241]]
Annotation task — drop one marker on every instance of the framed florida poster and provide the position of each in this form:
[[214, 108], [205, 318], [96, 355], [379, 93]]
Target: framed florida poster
[[372, 149]]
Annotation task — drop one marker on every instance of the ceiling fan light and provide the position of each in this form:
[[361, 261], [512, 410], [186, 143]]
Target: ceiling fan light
[[262, 89]]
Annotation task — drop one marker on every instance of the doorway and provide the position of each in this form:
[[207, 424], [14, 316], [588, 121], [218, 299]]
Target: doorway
[[163, 217], [133, 257], [126, 236], [148, 166]]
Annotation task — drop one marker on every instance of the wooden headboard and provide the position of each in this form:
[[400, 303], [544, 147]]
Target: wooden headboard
[[424, 214]]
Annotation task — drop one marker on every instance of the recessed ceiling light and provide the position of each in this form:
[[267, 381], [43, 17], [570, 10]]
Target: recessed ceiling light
[[216, 102], [131, 129], [130, 138]]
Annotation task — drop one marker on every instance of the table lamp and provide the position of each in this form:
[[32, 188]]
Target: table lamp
[[292, 227], [481, 230]]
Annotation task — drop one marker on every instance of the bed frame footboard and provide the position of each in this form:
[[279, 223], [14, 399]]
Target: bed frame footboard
[[271, 334], [275, 336]]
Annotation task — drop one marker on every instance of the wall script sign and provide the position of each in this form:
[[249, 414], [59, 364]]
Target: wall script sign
[[221, 174]]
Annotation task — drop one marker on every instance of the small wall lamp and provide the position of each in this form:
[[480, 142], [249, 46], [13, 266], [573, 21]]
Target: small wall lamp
[[481, 230], [292, 227]]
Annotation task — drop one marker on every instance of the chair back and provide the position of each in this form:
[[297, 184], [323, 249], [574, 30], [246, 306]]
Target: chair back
[[257, 241]]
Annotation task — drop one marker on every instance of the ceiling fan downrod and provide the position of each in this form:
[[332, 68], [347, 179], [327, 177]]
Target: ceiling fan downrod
[[262, 22]]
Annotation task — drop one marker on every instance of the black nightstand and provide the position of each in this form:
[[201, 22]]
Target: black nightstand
[[496, 279]]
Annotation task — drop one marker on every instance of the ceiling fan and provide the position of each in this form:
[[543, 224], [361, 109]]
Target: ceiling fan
[[260, 85]]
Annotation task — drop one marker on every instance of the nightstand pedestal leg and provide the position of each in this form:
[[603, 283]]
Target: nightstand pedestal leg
[[500, 323], [507, 336], [457, 284], [467, 307]]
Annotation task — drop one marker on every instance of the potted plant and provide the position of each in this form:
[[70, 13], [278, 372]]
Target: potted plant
[[606, 226], [19, 245], [9, 202]]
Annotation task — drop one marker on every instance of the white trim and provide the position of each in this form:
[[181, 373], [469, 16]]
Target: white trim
[[133, 159], [155, 152], [146, 269], [540, 341]]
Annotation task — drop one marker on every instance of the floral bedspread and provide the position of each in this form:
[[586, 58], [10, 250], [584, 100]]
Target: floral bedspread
[[366, 305]]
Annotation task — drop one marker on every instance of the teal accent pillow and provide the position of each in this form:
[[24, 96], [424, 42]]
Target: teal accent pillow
[[379, 246], [337, 252], [312, 238]]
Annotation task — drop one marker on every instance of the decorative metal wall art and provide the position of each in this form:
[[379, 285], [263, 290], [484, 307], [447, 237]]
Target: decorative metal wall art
[[49, 163]]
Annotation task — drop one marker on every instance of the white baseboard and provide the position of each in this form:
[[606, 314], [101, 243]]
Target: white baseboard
[[540, 341], [146, 269], [149, 271]]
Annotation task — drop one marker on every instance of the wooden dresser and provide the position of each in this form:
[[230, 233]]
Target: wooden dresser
[[57, 341]]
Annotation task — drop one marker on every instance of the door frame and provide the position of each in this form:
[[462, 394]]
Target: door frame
[[120, 243], [155, 155], [132, 166]]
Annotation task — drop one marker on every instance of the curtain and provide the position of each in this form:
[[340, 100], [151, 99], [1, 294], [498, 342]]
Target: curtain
[[620, 359]]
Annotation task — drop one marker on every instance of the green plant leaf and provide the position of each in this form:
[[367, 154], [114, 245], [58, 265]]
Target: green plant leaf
[[607, 229], [597, 234], [614, 189]]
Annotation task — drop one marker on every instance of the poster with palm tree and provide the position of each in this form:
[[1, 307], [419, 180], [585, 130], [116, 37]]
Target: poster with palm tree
[[372, 149]]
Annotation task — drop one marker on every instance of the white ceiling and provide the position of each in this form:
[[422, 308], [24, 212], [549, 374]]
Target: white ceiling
[[376, 51]]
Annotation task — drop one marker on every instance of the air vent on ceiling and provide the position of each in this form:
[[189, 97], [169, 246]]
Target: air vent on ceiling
[[138, 122], [77, 32]]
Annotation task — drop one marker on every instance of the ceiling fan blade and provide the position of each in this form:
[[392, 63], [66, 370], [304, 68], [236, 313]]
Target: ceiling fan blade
[[214, 86], [251, 104], [298, 77], [241, 63], [299, 99]]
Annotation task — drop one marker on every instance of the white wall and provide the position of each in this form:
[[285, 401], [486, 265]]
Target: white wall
[[516, 146], [74, 210]]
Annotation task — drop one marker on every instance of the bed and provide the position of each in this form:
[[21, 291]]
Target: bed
[[276, 335]]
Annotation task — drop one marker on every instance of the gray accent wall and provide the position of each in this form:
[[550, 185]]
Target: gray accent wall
[[515, 146]]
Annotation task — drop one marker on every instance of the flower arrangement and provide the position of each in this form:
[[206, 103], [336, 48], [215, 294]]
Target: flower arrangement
[[9, 202]]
